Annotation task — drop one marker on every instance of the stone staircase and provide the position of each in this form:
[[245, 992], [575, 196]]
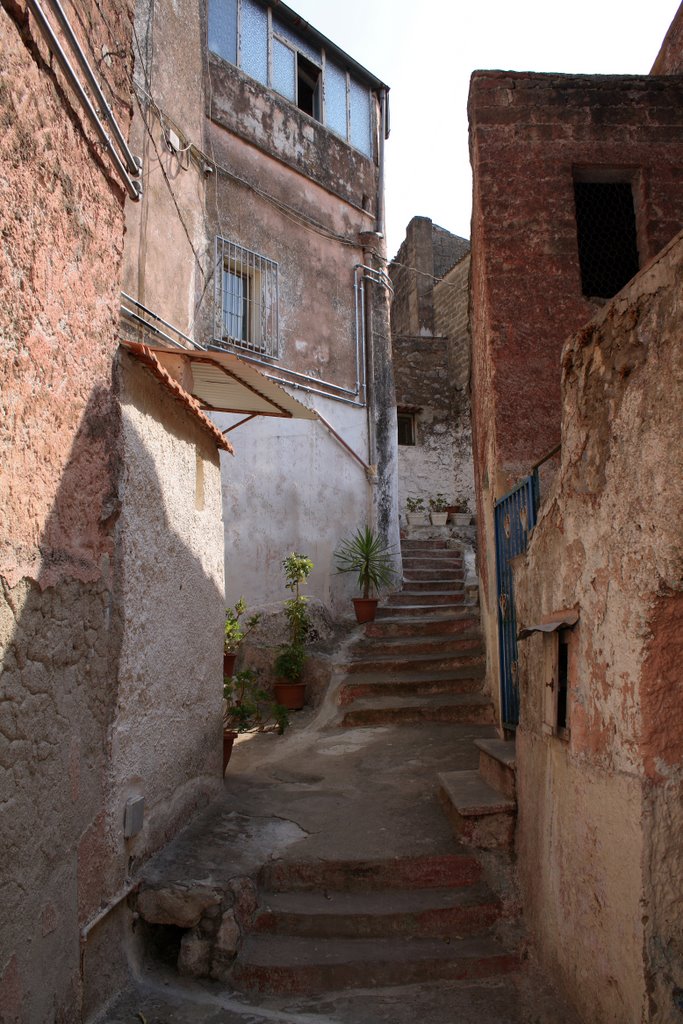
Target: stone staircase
[[481, 805], [422, 660]]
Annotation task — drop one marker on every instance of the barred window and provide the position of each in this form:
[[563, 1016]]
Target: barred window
[[246, 299]]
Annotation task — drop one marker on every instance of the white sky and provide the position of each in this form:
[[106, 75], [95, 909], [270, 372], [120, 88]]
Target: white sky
[[425, 51]]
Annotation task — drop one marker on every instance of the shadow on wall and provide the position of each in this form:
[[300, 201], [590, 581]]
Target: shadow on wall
[[69, 722]]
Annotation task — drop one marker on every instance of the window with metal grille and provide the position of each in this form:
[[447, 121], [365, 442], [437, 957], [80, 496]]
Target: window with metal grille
[[246, 299], [606, 230]]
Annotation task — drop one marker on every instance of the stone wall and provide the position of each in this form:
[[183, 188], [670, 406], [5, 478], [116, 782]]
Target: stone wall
[[600, 805], [670, 57], [526, 286]]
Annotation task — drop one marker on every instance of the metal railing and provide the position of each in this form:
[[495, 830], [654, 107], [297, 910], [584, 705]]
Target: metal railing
[[246, 300]]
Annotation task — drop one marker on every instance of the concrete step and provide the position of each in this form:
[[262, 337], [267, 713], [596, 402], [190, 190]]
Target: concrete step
[[426, 597], [438, 563], [425, 610], [468, 708], [448, 870], [479, 814], [415, 585], [440, 661], [408, 546], [292, 965], [416, 688], [497, 765], [429, 575], [397, 646], [434, 625], [425, 913]]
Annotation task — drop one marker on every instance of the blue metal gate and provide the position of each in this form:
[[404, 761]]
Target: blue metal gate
[[515, 518]]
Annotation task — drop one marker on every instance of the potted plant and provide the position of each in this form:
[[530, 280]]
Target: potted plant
[[460, 513], [415, 511], [248, 708], [289, 664], [438, 510], [235, 633], [366, 555]]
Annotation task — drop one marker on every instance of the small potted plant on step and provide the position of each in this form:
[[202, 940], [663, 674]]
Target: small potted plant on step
[[289, 664], [248, 708], [415, 511], [235, 633], [438, 510], [366, 555], [460, 513]]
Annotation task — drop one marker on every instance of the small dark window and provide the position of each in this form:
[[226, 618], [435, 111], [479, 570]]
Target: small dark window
[[406, 428], [606, 229], [307, 86], [562, 680]]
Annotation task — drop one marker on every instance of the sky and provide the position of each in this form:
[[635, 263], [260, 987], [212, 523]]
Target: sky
[[426, 50]]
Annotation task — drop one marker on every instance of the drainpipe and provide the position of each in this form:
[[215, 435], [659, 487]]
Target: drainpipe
[[383, 134]]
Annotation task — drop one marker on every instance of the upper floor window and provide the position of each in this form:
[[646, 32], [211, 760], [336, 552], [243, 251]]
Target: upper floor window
[[606, 232], [250, 36], [246, 299]]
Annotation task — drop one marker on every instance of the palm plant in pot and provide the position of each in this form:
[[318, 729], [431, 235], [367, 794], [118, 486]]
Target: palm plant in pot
[[366, 555], [235, 633], [289, 664]]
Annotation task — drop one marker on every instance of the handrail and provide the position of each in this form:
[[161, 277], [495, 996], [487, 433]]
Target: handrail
[[545, 458], [369, 470]]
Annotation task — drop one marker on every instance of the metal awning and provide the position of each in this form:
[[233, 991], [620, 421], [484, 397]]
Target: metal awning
[[222, 382], [565, 620]]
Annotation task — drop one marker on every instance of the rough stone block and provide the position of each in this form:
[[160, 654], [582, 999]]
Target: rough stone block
[[194, 959]]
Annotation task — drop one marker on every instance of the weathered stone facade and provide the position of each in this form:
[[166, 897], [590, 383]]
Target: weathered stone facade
[[600, 812], [431, 346], [526, 298]]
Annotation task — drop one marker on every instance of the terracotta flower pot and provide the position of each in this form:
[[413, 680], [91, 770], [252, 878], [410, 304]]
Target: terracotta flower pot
[[365, 608], [229, 738], [229, 663], [291, 695]]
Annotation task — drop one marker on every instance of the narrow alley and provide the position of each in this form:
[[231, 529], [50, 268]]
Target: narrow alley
[[330, 863]]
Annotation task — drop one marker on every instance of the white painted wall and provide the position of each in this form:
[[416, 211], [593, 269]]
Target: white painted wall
[[441, 462], [292, 486], [166, 734]]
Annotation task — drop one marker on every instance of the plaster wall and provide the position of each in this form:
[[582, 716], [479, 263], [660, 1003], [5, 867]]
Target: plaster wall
[[168, 260], [526, 298], [291, 487], [600, 810]]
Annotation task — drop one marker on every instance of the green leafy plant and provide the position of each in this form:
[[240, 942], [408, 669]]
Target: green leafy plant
[[236, 631], [248, 708], [415, 504], [439, 503], [462, 505], [366, 555], [290, 661]]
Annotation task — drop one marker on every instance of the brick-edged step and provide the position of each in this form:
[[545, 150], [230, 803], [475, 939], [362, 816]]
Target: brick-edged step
[[426, 872], [479, 814], [497, 765], [410, 576], [398, 646], [437, 565], [292, 965], [425, 685], [459, 621], [441, 661], [465, 709], [426, 597], [423, 610], [425, 913], [427, 545], [433, 585]]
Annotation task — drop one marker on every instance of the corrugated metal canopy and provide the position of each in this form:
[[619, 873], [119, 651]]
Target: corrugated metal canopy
[[222, 382]]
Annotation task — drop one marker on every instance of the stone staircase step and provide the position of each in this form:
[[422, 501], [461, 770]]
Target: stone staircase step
[[479, 814], [432, 625], [447, 870], [426, 913], [436, 564], [426, 597], [410, 576], [497, 765], [440, 661], [427, 687], [292, 965], [470, 709], [408, 675], [432, 585], [396, 646], [409, 545]]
